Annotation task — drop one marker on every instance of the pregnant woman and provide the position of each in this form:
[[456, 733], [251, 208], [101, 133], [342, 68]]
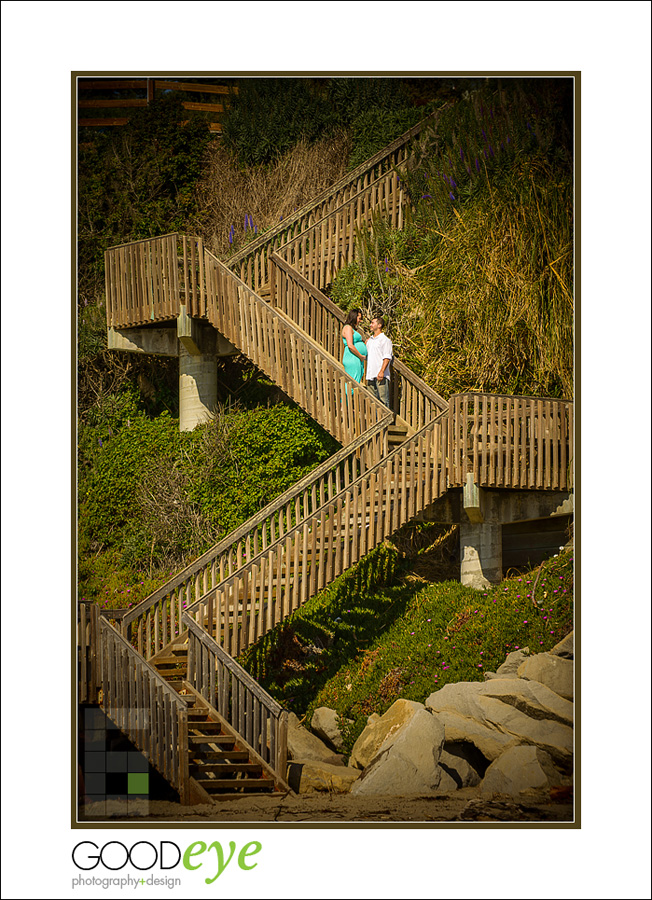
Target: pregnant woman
[[355, 351]]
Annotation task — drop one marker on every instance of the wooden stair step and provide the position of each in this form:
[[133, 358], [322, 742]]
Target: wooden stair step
[[206, 727], [211, 739], [208, 754], [226, 755]]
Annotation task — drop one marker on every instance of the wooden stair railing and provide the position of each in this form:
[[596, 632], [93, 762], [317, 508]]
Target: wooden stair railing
[[413, 401], [162, 718], [329, 244], [153, 622], [142, 281], [259, 721], [276, 582], [251, 261], [296, 363], [135, 697], [509, 441]]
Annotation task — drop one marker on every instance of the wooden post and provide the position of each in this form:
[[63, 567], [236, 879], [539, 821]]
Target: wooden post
[[94, 655], [282, 747], [184, 769]]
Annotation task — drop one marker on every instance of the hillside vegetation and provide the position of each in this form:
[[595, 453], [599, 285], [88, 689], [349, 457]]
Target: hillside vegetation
[[477, 288], [384, 631]]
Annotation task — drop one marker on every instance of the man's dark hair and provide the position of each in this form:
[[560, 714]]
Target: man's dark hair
[[381, 320]]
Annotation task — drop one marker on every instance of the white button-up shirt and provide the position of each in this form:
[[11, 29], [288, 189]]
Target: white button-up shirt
[[378, 349]]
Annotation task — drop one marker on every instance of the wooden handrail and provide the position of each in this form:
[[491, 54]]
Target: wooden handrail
[[297, 364], [142, 282], [511, 441], [238, 698], [142, 705], [268, 587], [327, 196], [323, 247], [155, 621], [88, 675], [316, 314]]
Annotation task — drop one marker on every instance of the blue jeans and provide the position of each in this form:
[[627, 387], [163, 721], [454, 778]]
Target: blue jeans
[[379, 387]]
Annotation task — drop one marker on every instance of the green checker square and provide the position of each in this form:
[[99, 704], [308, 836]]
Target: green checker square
[[138, 783]]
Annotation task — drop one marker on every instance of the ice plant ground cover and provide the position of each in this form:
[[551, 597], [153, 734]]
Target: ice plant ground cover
[[359, 645]]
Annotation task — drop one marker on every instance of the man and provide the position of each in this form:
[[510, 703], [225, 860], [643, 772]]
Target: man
[[379, 357]]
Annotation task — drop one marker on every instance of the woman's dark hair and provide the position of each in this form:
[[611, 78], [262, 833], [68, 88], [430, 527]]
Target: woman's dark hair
[[352, 318]]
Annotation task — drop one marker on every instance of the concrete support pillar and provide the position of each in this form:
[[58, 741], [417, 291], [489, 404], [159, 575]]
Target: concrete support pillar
[[197, 388], [481, 554]]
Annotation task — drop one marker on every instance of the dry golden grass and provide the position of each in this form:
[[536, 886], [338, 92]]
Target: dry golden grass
[[493, 308], [227, 193]]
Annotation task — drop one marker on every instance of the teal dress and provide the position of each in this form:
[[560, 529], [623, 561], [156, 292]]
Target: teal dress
[[352, 365]]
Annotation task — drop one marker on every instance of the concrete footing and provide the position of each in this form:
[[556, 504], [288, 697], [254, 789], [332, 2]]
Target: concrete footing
[[197, 346], [481, 554], [197, 388], [484, 515]]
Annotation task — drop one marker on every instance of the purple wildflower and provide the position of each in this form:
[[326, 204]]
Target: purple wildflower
[[451, 195], [477, 164]]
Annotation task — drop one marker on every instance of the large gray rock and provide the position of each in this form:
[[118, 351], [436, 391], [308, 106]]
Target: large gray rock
[[487, 740], [304, 745], [509, 669], [458, 769], [408, 762], [521, 771], [447, 782], [308, 775], [530, 697], [553, 671], [516, 710], [566, 647], [378, 731], [326, 725]]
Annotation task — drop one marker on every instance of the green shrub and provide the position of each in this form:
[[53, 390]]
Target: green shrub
[[159, 498], [107, 496], [298, 657], [244, 459], [375, 128]]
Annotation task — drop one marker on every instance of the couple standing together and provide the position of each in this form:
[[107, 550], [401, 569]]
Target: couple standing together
[[377, 353]]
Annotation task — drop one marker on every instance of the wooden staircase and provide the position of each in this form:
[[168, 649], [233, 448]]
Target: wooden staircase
[[220, 762], [222, 733]]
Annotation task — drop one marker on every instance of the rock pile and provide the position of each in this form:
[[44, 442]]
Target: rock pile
[[511, 734]]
